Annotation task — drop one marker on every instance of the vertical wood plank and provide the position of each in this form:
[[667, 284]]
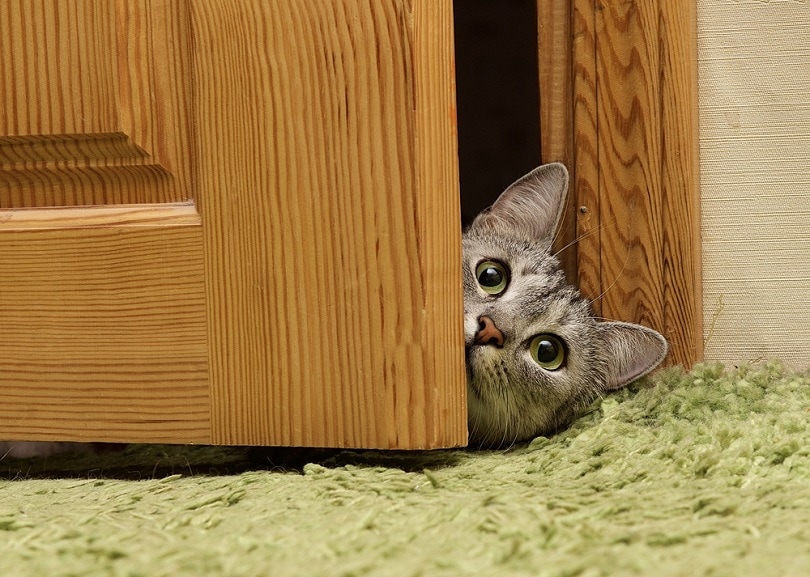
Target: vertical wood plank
[[333, 275], [43, 89], [683, 292], [585, 185], [438, 187], [556, 66], [628, 90]]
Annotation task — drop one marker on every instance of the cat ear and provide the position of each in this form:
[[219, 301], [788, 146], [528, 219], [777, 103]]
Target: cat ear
[[632, 352], [532, 205]]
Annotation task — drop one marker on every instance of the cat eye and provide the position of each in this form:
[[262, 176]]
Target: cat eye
[[492, 277], [548, 351]]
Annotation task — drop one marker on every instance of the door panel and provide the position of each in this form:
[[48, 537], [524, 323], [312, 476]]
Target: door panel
[[103, 325], [102, 302], [96, 100]]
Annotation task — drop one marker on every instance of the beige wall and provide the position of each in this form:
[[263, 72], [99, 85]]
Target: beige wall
[[754, 67]]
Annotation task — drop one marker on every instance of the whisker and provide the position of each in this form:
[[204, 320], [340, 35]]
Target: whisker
[[602, 226], [557, 233], [616, 280], [507, 419]]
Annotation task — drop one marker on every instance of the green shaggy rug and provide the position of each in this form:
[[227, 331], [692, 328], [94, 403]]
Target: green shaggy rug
[[698, 473]]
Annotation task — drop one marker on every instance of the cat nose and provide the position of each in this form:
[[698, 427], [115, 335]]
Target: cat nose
[[488, 333]]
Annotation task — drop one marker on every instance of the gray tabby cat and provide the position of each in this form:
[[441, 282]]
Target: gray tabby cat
[[535, 352]]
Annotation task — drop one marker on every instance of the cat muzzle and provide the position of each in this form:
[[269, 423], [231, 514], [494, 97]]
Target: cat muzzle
[[488, 333]]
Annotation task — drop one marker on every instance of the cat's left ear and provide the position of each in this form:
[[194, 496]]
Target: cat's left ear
[[532, 205], [632, 352]]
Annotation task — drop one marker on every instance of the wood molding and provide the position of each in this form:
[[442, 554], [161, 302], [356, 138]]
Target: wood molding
[[39, 150], [619, 104], [84, 217]]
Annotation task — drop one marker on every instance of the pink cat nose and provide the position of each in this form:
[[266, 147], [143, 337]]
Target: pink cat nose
[[488, 333]]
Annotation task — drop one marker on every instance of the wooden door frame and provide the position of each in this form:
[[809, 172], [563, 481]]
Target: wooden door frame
[[618, 105]]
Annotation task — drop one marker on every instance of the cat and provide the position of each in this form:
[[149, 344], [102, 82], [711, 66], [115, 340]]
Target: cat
[[535, 353]]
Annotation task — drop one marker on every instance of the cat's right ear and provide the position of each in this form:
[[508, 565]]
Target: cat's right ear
[[532, 205], [631, 351]]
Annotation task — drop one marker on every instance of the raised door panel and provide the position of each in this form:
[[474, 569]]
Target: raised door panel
[[103, 325], [95, 100], [102, 300]]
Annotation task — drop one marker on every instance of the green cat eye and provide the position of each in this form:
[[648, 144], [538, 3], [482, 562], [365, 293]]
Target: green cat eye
[[492, 277], [548, 351]]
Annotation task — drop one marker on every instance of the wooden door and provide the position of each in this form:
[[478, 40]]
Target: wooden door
[[230, 222]]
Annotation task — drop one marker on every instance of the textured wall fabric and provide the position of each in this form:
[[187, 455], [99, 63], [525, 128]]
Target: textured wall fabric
[[754, 91]]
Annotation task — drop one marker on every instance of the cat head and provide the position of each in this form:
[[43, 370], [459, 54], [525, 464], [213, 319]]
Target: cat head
[[535, 353]]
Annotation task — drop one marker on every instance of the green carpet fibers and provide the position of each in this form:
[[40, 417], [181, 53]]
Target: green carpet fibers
[[704, 472]]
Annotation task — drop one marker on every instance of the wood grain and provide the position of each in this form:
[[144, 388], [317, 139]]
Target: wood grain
[[682, 275], [438, 210], [101, 294], [555, 62], [586, 153], [115, 216], [95, 99], [103, 316], [634, 158], [328, 193], [629, 145]]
